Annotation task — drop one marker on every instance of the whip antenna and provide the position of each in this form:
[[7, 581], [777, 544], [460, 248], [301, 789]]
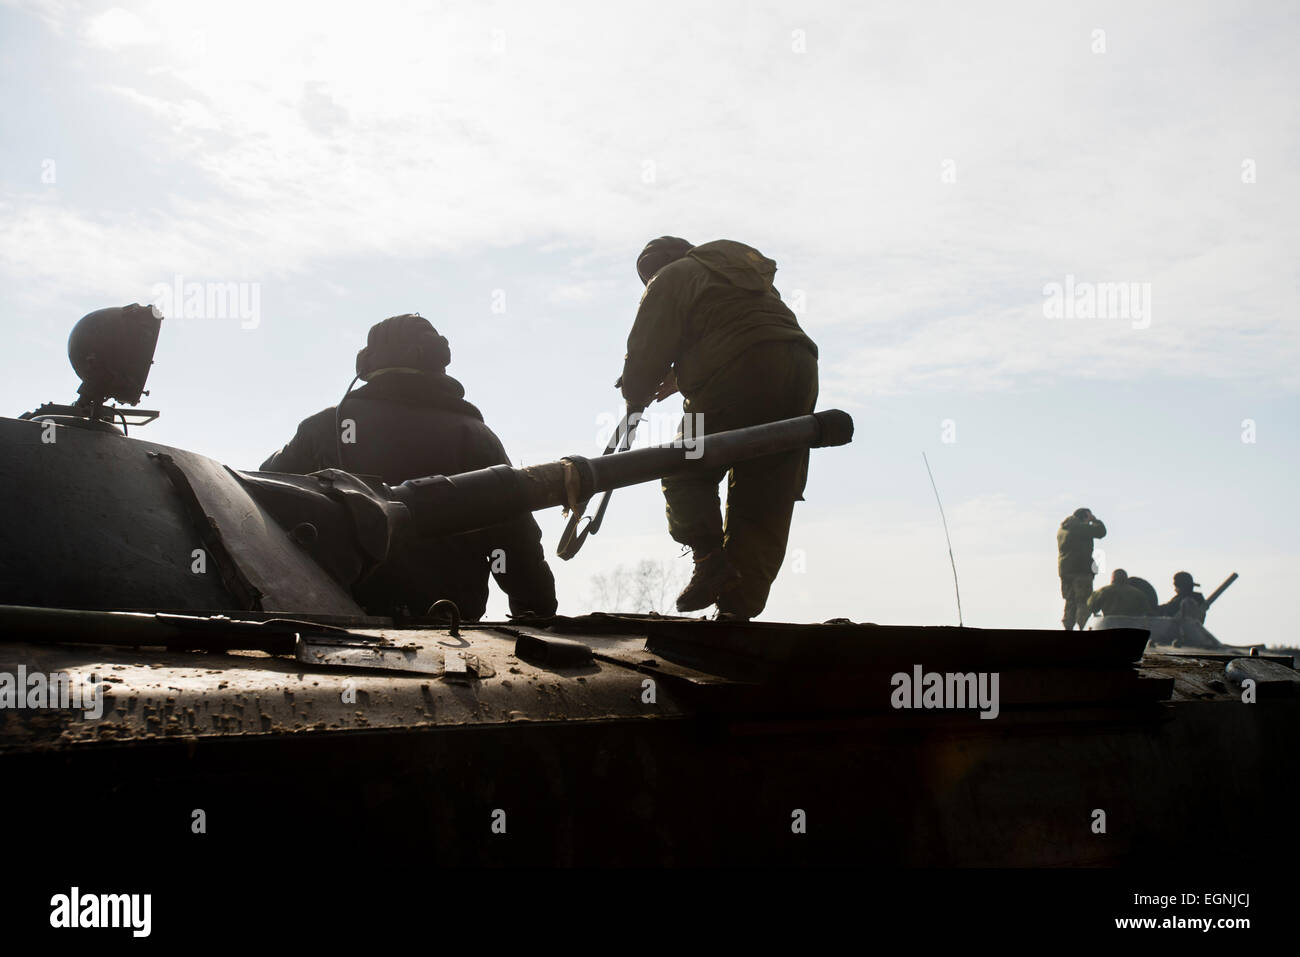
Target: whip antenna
[[955, 586]]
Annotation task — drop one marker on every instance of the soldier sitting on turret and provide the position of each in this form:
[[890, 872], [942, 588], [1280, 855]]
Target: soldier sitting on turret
[[1186, 602], [408, 421], [1119, 598]]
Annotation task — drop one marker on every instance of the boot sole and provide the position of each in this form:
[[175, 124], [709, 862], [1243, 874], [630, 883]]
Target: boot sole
[[727, 583]]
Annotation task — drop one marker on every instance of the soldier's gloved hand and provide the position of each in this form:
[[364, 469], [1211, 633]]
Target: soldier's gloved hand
[[667, 387]]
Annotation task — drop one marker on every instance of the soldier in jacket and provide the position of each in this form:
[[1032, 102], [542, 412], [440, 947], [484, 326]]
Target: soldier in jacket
[[1119, 598], [712, 326], [1187, 601], [409, 420], [1074, 563]]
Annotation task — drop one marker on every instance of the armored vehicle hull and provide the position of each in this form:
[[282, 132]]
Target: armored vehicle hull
[[642, 741], [234, 697]]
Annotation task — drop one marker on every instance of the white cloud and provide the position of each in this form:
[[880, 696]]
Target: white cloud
[[414, 133], [53, 13], [116, 28], [584, 291]]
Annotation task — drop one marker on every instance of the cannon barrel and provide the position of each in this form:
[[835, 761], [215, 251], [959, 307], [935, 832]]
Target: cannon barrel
[[1219, 591], [446, 505]]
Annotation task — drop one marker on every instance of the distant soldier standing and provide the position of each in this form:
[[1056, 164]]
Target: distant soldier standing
[[1074, 564], [712, 325]]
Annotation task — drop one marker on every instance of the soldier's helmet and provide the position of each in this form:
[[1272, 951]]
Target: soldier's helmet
[[658, 253], [407, 341]]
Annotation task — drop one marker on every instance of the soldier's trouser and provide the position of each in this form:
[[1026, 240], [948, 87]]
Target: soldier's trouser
[[767, 382], [1076, 590]]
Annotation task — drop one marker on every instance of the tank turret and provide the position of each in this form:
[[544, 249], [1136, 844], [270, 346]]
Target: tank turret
[[98, 520]]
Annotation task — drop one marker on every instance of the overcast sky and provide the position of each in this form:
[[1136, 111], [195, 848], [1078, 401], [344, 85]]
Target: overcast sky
[[922, 173]]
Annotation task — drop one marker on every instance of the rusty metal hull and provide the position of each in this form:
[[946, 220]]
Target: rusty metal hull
[[749, 728]]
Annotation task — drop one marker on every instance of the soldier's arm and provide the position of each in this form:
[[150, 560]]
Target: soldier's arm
[[519, 567], [515, 555], [656, 333], [1098, 528], [302, 455]]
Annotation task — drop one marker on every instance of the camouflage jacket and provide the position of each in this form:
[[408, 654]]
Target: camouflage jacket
[[1119, 599], [1074, 545], [1194, 600], [700, 312]]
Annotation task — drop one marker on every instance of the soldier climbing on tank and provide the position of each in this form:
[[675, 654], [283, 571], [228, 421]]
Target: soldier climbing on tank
[[409, 420], [712, 326], [1187, 602], [1074, 564], [1119, 598]]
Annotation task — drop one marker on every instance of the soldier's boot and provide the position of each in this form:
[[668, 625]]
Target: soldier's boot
[[1082, 614], [713, 574], [721, 615]]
